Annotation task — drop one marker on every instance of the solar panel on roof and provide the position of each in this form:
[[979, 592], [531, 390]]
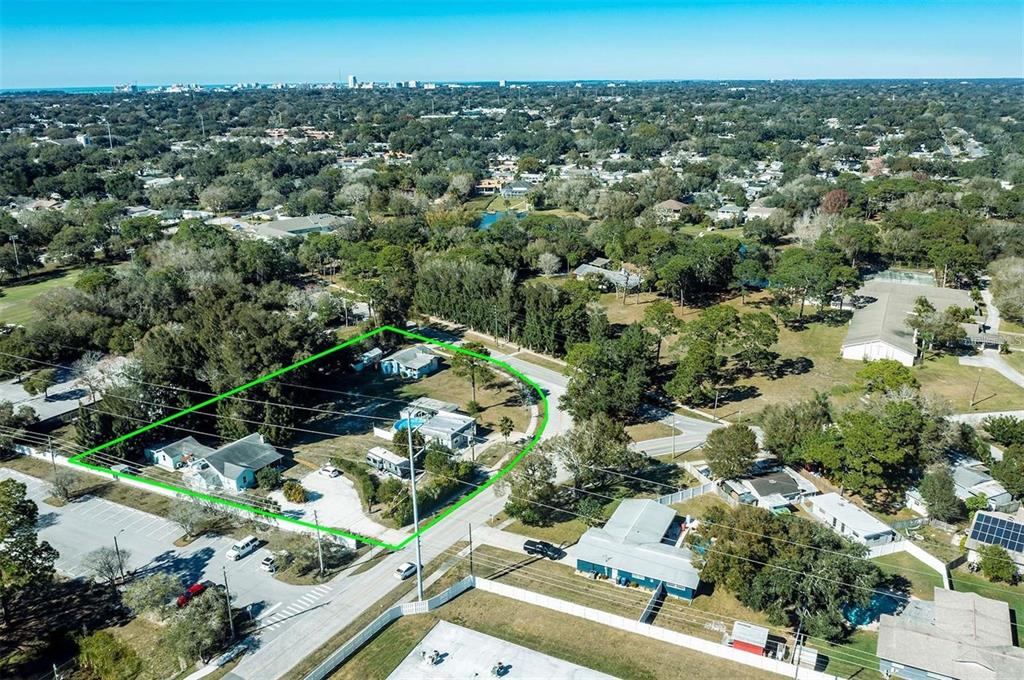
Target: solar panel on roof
[[998, 531]]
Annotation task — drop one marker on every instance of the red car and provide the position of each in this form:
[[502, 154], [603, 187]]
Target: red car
[[193, 591]]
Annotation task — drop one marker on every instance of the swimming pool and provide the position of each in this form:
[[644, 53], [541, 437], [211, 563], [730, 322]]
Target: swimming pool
[[400, 425], [881, 603]]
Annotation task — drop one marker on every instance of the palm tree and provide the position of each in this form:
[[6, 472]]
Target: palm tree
[[469, 366], [505, 426]]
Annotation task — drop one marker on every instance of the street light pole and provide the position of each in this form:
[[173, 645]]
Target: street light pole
[[117, 550], [319, 547], [415, 508]]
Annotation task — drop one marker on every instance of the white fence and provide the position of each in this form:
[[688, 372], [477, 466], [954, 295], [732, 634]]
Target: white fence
[[379, 623], [686, 494], [649, 631]]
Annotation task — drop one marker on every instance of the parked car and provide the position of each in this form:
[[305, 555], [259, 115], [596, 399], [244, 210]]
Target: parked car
[[405, 570], [544, 549], [329, 471], [193, 591], [244, 547], [268, 564]]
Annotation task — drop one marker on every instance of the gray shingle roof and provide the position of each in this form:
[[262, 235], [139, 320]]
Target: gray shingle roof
[[884, 319], [248, 452], [960, 635]]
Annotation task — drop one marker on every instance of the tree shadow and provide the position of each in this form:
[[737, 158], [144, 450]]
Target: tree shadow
[[188, 569], [790, 366], [44, 619]]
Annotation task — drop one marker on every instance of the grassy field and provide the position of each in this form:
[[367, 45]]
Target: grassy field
[[697, 507], [854, 658], [146, 639], [17, 302], [923, 579], [945, 377], [1015, 359], [642, 431], [587, 644]]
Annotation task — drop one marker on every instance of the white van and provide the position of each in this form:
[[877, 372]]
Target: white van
[[244, 547]]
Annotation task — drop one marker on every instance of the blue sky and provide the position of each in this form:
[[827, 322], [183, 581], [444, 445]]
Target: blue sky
[[48, 43]]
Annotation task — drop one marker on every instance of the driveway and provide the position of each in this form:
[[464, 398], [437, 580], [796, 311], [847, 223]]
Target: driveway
[[990, 358], [337, 505]]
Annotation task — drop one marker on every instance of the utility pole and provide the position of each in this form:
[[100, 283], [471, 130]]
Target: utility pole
[[53, 461], [117, 550], [14, 242], [319, 546], [471, 549], [974, 394], [797, 650], [227, 601], [415, 508]]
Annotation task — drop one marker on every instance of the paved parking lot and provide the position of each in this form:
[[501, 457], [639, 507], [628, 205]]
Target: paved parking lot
[[148, 543], [337, 505]]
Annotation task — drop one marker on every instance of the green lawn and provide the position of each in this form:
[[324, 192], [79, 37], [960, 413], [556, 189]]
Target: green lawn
[[17, 302], [1015, 359], [923, 579], [854, 658], [945, 377]]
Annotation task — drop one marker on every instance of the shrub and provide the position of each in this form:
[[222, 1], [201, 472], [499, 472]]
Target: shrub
[[365, 483], [268, 478], [294, 492]]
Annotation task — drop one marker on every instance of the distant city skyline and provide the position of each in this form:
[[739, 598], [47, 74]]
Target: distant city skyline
[[68, 43]]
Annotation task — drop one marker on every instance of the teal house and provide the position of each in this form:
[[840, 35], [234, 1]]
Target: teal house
[[640, 545]]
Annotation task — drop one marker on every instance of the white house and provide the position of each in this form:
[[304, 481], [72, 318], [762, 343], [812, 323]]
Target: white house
[[879, 330], [413, 362], [850, 520], [232, 467], [175, 455], [729, 211]]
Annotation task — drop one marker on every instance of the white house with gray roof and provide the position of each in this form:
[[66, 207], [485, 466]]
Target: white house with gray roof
[[879, 330], [412, 362], [320, 223], [232, 467], [641, 545], [958, 636]]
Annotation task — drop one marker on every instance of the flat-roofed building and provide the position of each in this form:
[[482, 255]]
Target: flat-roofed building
[[850, 520]]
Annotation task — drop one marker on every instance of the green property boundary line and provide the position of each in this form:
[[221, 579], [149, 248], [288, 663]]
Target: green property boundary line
[[79, 459]]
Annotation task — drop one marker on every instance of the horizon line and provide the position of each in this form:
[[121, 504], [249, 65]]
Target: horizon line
[[495, 81]]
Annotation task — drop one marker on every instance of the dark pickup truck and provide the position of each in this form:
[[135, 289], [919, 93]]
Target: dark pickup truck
[[544, 549]]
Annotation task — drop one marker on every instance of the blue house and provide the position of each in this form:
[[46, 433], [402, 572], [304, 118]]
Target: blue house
[[637, 546], [413, 362]]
